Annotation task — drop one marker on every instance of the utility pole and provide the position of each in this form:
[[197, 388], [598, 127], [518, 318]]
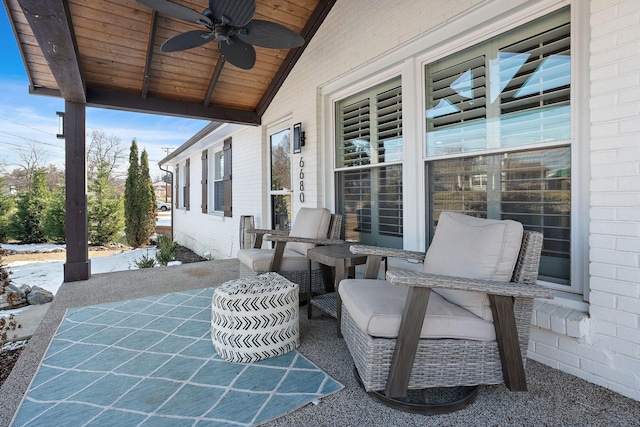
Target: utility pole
[[166, 177]]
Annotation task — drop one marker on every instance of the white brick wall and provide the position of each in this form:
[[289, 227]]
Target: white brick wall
[[601, 345], [609, 354]]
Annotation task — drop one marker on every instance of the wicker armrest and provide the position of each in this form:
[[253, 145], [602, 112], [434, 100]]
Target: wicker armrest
[[268, 231], [415, 278], [387, 252], [324, 242]]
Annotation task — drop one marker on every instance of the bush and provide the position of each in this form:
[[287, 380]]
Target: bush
[[145, 261], [166, 250], [105, 210], [55, 217], [28, 220]]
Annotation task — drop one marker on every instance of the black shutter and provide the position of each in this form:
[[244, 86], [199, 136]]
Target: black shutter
[[177, 192], [227, 178], [205, 180], [187, 183]]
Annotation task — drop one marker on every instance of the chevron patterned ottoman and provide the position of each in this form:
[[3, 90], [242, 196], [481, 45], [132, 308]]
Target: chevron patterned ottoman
[[255, 318]]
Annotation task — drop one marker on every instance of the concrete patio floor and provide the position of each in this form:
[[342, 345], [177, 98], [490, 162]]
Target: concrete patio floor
[[554, 398]]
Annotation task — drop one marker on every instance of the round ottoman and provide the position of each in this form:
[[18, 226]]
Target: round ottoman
[[255, 318]]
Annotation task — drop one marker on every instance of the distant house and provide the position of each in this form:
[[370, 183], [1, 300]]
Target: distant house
[[163, 190], [505, 108]]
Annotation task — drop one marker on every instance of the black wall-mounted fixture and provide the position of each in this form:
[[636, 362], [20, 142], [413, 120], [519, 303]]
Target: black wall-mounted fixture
[[60, 134], [298, 138]]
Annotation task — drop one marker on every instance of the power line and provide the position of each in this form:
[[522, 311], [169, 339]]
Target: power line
[[27, 126], [32, 140]]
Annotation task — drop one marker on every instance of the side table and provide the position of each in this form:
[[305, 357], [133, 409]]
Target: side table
[[344, 262]]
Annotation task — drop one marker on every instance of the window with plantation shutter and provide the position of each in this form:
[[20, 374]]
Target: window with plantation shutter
[[487, 108], [510, 91], [368, 164], [355, 149]]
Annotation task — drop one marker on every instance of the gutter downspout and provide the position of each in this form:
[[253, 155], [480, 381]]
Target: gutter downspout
[[167, 171]]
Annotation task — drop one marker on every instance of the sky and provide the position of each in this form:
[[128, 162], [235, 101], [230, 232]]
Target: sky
[[31, 119]]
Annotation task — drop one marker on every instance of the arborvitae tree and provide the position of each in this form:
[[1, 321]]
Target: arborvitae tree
[[106, 211], [55, 217], [147, 196], [132, 212], [28, 221], [139, 206]]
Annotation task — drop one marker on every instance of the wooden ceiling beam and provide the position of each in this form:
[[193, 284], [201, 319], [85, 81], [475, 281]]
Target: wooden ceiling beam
[[129, 102], [313, 24], [50, 22], [214, 80], [147, 66]]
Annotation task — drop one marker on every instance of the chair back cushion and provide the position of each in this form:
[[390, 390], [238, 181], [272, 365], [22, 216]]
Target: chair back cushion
[[474, 248], [312, 223]]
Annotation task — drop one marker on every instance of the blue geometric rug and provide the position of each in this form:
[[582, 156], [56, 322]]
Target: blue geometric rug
[[150, 362]]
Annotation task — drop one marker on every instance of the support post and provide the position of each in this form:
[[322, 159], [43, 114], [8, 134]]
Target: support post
[[77, 266]]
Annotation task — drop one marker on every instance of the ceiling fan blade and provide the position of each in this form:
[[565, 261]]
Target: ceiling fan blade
[[236, 12], [269, 34], [177, 11], [187, 40], [238, 53]]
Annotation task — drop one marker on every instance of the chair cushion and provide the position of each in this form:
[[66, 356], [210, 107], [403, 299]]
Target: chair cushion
[[376, 306], [312, 223], [475, 248], [259, 260]]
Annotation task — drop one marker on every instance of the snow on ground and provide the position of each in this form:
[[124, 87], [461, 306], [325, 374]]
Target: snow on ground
[[50, 274], [37, 247]]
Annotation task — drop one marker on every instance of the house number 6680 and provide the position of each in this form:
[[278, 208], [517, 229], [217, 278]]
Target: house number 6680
[[301, 176]]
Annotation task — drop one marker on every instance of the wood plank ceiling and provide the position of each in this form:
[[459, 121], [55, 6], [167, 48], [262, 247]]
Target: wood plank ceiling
[[108, 52]]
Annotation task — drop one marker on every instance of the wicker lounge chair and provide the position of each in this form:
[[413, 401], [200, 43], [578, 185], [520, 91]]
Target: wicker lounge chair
[[470, 330], [312, 226]]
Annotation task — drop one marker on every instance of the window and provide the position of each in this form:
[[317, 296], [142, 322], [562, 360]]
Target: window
[[498, 141], [215, 176], [218, 181], [280, 191], [369, 164], [186, 185]]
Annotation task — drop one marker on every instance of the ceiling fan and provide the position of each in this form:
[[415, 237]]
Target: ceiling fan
[[230, 23]]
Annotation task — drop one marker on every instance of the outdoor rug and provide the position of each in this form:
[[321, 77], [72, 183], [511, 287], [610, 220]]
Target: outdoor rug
[[150, 362]]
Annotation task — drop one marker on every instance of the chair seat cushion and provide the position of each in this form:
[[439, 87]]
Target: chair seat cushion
[[259, 260], [474, 248], [376, 306]]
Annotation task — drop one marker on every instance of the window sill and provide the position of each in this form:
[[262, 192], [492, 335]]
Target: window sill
[[559, 318]]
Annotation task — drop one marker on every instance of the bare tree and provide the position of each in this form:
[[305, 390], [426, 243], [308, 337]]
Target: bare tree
[[31, 159], [106, 150]]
